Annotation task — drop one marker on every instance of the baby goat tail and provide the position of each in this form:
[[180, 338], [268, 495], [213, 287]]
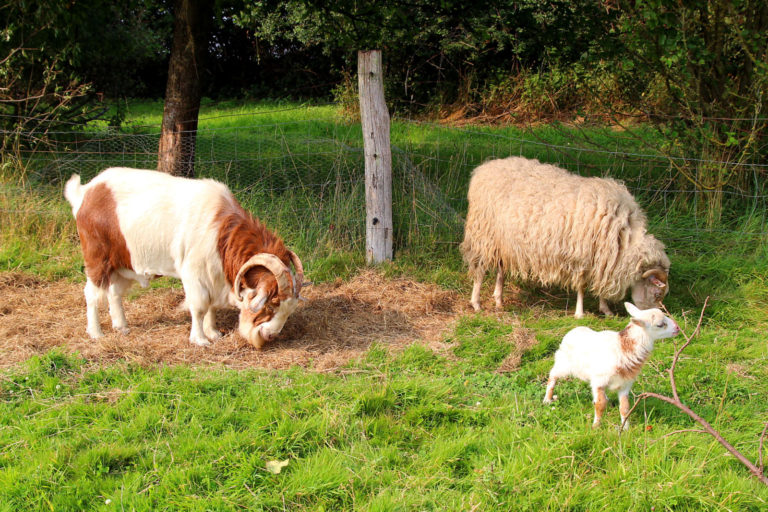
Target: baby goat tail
[[74, 193]]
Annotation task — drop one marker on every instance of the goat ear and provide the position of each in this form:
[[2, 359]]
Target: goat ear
[[632, 309], [638, 322]]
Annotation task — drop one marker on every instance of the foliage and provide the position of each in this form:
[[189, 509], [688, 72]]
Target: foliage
[[52, 52], [434, 53], [699, 71]]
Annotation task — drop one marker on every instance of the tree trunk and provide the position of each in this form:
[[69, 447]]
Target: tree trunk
[[378, 157], [176, 154]]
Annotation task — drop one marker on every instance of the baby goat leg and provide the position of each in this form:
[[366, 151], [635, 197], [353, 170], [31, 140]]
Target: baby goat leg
[[600, 402]]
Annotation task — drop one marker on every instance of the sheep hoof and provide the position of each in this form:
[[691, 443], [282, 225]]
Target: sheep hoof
[[476, 306], [122, 330], [578, 316]]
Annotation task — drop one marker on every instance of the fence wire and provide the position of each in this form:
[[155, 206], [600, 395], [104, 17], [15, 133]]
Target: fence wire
[[306, 179]]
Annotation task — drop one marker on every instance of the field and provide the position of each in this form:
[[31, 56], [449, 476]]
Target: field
[[384, 392]]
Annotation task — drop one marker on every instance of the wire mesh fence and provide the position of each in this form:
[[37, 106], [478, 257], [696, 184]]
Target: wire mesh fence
[[306, 178]]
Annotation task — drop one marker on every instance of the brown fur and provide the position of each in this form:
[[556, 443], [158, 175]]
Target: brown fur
[[240, 237], [634, 362], [624, 405], [103, 244], [600, 404]]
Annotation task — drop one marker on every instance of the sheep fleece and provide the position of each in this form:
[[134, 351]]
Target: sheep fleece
[[547, 225]]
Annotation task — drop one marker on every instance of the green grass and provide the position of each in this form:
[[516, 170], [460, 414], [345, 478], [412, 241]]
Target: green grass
[[415, 430]]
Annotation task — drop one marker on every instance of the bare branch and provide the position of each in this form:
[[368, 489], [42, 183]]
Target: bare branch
[[680, 350]]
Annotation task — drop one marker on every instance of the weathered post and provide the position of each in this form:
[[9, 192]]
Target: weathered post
[[378, 157]]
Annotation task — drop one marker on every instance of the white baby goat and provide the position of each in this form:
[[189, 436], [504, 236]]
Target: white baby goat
[[609, 359]]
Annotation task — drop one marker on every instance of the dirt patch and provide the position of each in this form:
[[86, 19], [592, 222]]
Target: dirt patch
[[521, 340], [338, 322]]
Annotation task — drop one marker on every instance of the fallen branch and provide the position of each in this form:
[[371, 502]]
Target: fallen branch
[[755, 469]]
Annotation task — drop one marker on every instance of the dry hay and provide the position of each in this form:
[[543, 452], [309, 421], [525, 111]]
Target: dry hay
[[338, 322], [521, 340]]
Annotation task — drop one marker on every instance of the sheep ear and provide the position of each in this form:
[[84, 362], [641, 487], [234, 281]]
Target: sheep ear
[[632, 309]]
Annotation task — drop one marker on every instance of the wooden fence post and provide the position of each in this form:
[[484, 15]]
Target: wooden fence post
[[378, 157]]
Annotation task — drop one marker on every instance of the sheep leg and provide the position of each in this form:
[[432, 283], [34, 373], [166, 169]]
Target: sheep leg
[[600, 402], [497, 292], [624, 407], [478, 275], [117, 287], [604, 308], [209, 325], [93, 296], [548, 398], [579, 303]]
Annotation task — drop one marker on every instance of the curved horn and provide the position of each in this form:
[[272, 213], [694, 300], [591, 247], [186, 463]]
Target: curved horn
[[271, 263], [657, 273], [299, 272]]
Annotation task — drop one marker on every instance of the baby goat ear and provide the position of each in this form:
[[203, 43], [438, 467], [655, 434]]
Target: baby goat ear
[[632, 309]]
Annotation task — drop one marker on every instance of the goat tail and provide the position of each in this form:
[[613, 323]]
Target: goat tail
[[73, 192]]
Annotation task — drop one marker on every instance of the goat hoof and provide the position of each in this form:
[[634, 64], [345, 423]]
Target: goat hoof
[[213, 335], [95, 333], [199, 343]]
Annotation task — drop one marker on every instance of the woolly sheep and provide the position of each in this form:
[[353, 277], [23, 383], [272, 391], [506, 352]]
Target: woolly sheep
[[608, 359], [541, 223]]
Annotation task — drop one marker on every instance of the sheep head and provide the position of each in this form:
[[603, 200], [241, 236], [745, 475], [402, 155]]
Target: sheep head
[[649, 291]]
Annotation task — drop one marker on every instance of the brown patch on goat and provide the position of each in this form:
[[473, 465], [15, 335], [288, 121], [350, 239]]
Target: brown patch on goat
[[102, 242], [601, 401], [240, 237], [626, 341], [633, 361]]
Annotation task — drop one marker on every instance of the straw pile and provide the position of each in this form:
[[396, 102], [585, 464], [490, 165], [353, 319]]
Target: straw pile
[[338, 322]]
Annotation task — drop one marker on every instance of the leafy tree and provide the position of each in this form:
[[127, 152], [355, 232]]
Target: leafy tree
[[699, 71], [435, 52], [56, 58]]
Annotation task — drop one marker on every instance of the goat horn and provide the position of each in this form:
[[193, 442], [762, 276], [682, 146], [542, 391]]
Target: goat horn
[[299, 272], [271, 263]]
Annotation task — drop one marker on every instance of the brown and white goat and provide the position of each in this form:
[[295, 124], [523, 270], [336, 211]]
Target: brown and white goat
[[136, 224], [608, 359]]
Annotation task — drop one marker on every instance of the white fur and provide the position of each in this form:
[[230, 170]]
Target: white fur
[[598, 357], [169, 229], [540, 223]]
